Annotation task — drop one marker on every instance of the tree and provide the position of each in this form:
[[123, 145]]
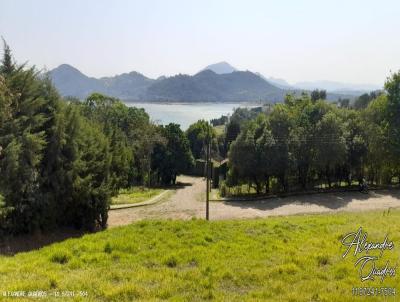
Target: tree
[[344, 103], [316, 142], [318, 95], [198, 134], [356, 145], [363, 100], [54, 163], [250, 154], [88, 158], [133, 138], [392, 87], [23, 140], [232, 132], [5, 102], [280, 123], [7, 65], [174, 157], [330, 145]]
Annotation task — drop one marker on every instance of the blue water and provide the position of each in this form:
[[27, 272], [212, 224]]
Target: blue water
[[187, 114]]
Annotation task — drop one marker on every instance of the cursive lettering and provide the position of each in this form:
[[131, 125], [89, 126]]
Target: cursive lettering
[[358, 240], [368, 269]]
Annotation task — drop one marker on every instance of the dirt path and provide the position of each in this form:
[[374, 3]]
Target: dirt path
[[188, 202]]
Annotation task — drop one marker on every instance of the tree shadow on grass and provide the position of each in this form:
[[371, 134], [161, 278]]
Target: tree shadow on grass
[[24, 243], [332, 201]]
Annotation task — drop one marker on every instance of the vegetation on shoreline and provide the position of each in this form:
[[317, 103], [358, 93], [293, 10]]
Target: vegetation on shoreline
[[296, 258], [308, 143], [64, 159]]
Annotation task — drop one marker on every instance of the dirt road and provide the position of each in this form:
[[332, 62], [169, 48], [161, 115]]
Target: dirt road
[[188, 202]]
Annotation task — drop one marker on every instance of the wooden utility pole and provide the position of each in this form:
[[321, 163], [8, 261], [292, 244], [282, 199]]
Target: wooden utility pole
[[207, 181], [211, 170]]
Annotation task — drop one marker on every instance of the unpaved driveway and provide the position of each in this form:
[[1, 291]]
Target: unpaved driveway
[[188, 202]]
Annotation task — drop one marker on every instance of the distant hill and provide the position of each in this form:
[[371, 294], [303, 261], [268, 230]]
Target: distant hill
[[216, 83], [209, 86], [237, 86], [71, 82], [280, 83], [220, 68], [131, 85]]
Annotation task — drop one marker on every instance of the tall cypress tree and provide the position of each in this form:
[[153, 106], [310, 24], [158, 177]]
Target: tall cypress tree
[[54, 164]]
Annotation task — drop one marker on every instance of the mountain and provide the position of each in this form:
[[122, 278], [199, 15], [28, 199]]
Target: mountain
[[220, 68], [71, 82], [131, 85], [205, 86], [280, 83], [337, 87], [212, 87]]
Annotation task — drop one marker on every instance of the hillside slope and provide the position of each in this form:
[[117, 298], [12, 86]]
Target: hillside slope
[[297, 258]]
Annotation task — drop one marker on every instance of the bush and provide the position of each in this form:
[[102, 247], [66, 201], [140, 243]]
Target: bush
[[171, 261], [107, 248], [222, 189], [60, 257]]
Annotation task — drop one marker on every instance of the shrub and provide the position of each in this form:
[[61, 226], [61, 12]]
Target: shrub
[[222, 189], [107, 248], [171, 261], [60, 257]]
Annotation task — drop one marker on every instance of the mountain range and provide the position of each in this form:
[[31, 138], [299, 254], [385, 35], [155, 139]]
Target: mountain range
[[219, 82]]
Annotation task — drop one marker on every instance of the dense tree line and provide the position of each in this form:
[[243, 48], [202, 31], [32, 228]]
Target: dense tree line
[[61, 160], [307, 142]]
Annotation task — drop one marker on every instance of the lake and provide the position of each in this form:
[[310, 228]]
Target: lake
[[186, 114]]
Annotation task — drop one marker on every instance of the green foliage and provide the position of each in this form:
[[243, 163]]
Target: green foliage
[[363, 100], [232, 132], [55, 165], [238, 121], [307, 142], [219, 121], [344, 103], [198, 135], [318, 95], [250, 153], [7, 65], [173, 157], [30, 115], [392, 87], [60, 257]]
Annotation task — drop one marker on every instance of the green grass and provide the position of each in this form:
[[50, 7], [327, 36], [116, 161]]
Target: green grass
[[219, 130], [296, 258], [135, 195]]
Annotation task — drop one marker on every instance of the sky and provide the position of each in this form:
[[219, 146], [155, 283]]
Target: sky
[[348, 41]]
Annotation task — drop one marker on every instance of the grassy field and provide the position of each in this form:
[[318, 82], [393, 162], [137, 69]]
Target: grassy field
[[297, 258], [219, 130], [135, 195]]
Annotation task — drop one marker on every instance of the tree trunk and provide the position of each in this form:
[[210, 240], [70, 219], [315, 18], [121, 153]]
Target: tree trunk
[[267, 185]]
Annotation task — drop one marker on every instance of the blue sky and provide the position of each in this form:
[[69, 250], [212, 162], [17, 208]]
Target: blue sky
[[349, 41]]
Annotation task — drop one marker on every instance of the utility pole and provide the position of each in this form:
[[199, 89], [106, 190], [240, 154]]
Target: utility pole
[[210, 165], [207, 181]]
